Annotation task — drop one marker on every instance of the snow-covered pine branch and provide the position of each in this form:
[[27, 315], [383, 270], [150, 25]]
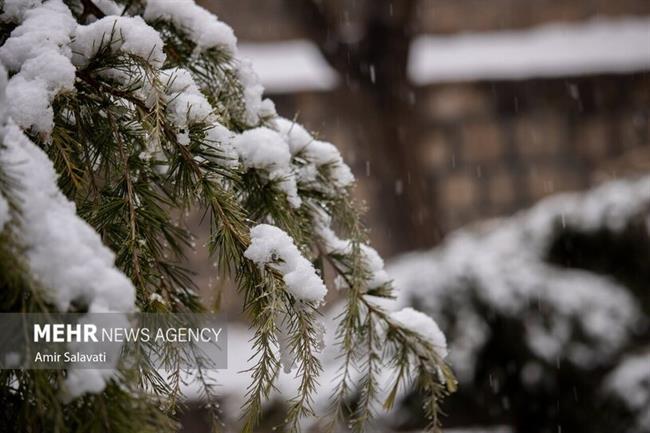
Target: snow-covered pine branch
[[115, 116], [530, 301]]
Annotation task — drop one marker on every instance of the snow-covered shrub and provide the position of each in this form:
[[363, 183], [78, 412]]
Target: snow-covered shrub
[[117, 118], [540, 307]]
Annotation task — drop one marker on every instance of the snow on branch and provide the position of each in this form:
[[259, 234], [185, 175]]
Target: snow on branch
[[64, 254], [503, 266], [630, 382], [120, 119], [273, 247], [39, 51]]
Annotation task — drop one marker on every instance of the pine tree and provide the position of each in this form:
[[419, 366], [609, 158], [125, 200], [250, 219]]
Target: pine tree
[[138, 113], [546, 312]]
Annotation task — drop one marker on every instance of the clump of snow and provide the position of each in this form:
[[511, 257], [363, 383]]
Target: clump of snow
[[271, 246], [54, 69], [332, 244], [263, 148], [267, 109], [317, 154], [3, 97], [375, 264], [63, 252], [322, 153], [5, 216], [33, 109], [81, 381], [207, 32], [423, 325], [13, 11], [294, 134], [252, 91], [630, 382], [222, 138], [38, 51], [186, 104], [502, 268], [202, 27], [127, 34], [44, 29]]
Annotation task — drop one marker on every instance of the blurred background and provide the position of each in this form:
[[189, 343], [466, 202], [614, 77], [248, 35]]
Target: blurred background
[[458, 118]]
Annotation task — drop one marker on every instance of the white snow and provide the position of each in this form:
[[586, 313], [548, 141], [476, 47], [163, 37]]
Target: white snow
[[375, 264], [3, 95], [64, 253], [127, 34], [253, 91], [222, 138], [316, 154], [290, 66], [5, 216], [207, 32], [501, 266], [556, 50], [203, 28], [14, 10], [186, 104], [334, 245], [322, 153], [264, 149], [294, 134], [81, 381], [630, 382], [423, 325], [271, 246], [38, 51]]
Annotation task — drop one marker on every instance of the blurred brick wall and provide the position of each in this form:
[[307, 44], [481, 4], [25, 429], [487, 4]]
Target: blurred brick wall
[[496, 147], [264, 20], [451, 16]]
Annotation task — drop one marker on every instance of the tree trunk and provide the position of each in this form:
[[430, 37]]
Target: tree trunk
[[378, 102]]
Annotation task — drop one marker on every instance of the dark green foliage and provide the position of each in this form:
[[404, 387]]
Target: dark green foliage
[[120, 160]]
